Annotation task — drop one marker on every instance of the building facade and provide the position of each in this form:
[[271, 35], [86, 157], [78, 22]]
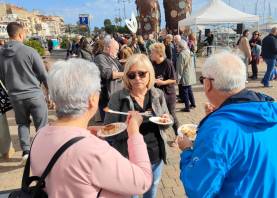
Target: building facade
[[34, 23]]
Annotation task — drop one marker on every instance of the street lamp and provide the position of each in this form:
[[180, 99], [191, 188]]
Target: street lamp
[[124, 5]]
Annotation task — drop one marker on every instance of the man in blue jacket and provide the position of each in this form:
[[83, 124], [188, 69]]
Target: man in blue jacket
[[234, 154]]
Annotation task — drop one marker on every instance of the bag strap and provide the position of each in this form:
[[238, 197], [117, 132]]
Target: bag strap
[[26, 181], [55, 158]]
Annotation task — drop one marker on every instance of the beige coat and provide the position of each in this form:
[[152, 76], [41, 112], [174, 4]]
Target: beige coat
[[245, 47], [186, 74]]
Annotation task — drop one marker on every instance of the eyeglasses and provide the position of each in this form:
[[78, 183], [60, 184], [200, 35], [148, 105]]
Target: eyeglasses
[[133, 75], [202, 78]]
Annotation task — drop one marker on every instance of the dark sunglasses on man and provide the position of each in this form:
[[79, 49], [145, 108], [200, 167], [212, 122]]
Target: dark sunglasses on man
[[202, 78], [140, 74]]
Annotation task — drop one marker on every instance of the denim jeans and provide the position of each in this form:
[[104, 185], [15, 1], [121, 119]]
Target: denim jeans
[[269, 71], [35, 107], [157, 174]]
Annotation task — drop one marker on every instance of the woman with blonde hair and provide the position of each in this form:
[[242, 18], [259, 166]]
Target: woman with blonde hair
[[192, 44], [142, 45], [124, 53], [134, 45], [140, 95]]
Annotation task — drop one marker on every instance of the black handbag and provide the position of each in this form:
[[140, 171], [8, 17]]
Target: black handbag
[[5, 104], [37, 191]]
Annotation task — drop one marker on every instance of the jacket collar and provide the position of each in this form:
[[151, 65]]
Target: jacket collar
[[245, 96], [125, 94]]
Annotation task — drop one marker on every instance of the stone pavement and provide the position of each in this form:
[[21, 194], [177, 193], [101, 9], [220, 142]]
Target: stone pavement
[[170, 186]]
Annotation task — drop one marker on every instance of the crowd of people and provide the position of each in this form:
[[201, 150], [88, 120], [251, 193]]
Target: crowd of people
[[256, 48], [234, 151]]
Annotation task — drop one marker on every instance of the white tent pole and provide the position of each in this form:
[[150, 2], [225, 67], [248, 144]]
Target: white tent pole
[[228, 37]]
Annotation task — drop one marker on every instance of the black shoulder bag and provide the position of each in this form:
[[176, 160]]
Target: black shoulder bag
[[37, 191], [5, 104]]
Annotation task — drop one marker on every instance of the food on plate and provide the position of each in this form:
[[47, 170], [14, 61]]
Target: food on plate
[[164, 120], [109, 129], [189, 131]]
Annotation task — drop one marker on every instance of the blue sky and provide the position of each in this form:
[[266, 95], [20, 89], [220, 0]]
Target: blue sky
[[102, 9]]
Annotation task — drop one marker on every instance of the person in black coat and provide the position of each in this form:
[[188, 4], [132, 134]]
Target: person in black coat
[[269, 54], [255, 43], [169, 47], [209, 42]]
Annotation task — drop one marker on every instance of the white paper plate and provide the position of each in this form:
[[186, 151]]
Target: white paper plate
[[156, 120], [188, 126], [121, 126]]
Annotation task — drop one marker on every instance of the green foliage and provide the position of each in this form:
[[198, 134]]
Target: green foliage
[[36, 45], [64, 42], [121, 29], [110, 28]]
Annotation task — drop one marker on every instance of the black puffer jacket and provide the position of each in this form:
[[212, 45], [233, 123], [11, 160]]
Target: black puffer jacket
[[269, 47]]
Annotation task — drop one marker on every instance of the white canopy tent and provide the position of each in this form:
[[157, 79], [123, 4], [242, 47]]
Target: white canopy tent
[[218, 12], [266, 27]]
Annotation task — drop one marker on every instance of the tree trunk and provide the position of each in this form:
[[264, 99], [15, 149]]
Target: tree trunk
[[149, 16], [176, 10]]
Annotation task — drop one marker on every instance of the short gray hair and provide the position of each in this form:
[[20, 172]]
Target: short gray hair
[[227, 70], [183, 45], [107, 41], [71, 83], [177, 38]]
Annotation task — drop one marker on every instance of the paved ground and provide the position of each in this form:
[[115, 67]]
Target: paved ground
[[170, 186]]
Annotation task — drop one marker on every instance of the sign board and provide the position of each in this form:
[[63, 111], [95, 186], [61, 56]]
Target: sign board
[[84, 19]]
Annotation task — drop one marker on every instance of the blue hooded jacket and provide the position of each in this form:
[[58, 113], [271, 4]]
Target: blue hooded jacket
[[235, 152]]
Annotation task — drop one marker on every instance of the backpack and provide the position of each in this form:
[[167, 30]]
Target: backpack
[[37, 191]]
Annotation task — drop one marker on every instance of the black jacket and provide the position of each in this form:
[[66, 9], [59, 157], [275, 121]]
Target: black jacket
[[121, 101], [269, 47]]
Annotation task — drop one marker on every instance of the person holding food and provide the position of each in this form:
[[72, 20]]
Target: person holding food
[[85, 169], [140, 95], [165, 79], [234, 154]]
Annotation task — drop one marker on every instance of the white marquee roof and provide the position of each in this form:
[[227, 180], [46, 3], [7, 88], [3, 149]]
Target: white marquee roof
[[218, 12]]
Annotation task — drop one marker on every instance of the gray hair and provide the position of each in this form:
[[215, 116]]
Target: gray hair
[[177, 38], [227, 70], [107, 41], [71, 83], [182, 45]]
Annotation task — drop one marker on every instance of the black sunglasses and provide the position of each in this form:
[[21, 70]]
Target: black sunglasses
[[202, 78], [141, 74]]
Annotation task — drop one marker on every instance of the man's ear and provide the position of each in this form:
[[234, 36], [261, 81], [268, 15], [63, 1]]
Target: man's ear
[[20, 34], [208, 85]]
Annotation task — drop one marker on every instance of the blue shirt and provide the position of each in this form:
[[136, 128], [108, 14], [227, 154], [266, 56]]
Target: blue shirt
[[235, 152]]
